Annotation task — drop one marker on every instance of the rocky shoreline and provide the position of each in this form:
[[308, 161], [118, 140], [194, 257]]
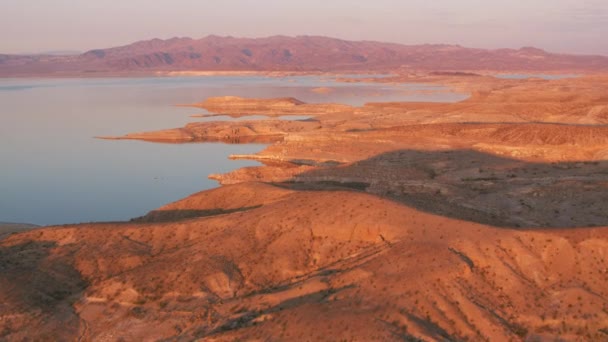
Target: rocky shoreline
[[478, 220]]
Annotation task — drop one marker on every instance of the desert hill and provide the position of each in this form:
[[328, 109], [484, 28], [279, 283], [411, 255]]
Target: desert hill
[[281, 53], [301, 264]]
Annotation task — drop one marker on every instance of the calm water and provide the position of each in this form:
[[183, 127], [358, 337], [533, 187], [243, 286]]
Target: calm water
[[52, 170]]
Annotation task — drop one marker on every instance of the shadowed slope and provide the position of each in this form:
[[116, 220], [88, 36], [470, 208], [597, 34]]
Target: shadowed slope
[[37, 290], [481, 187]]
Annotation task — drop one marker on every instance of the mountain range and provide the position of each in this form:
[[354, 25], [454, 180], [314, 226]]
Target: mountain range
[[281, 53]]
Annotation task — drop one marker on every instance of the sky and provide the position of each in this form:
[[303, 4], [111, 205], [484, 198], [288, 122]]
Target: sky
[[568, 26]]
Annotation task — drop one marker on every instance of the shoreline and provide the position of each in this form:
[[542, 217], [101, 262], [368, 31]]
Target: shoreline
[[482, 219]]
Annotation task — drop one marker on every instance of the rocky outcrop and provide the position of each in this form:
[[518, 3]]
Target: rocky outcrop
[[239, 106], [236, 132]]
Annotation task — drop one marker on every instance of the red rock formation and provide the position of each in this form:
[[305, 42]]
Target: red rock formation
[[302, 53]]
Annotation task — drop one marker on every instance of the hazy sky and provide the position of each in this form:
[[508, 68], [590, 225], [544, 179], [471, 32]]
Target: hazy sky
[[576, 26]]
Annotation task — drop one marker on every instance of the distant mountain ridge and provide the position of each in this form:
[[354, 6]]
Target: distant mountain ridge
[[281, 53]]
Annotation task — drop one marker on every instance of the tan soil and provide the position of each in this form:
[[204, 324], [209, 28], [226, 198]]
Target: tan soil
[[480, 220]]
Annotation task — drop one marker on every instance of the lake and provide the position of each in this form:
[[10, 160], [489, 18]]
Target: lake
[[53, 171]]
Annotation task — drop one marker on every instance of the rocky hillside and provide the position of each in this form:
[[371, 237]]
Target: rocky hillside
[[280, 53]]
